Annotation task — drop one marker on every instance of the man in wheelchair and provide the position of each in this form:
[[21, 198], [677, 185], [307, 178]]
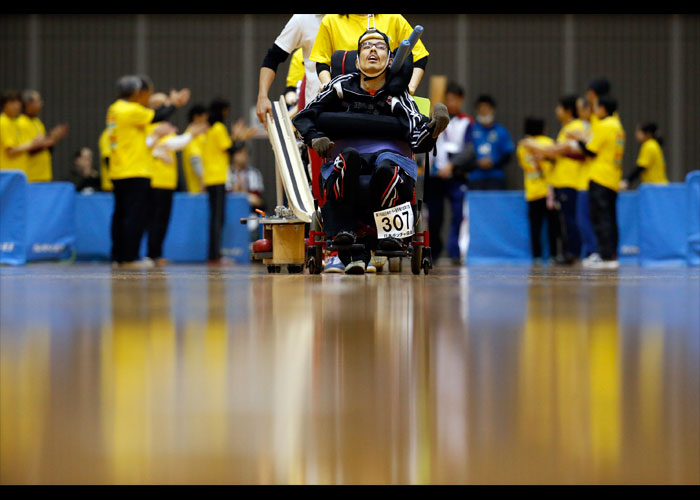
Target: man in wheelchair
[[368, 126]]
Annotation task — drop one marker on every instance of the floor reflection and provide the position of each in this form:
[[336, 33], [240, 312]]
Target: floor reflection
[[484, 375]]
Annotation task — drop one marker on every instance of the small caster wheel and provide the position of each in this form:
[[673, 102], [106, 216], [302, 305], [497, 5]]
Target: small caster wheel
[[294, 269]]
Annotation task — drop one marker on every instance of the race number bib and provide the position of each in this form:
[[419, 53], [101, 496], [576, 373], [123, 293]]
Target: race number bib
[[396, 222]]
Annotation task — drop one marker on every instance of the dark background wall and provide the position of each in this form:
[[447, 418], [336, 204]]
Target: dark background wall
[[525, 61]]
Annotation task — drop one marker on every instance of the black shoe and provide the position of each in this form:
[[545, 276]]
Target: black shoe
[[344, 238], [390, 245]]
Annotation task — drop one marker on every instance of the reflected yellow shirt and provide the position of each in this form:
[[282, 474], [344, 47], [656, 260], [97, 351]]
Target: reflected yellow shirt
[[105, 152], [127, 123], [38, 164], [566, 172], [11, 137], [164, 174], [608, 142], [535, 174], [651, 157], [342, 31], [215, 156], [194, 148]]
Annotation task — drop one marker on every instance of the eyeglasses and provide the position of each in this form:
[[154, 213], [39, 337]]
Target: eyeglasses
[[379, 46]]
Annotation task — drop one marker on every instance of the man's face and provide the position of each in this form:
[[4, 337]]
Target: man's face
[[453, 102], [34, 106], [373, 55], [13, 108]]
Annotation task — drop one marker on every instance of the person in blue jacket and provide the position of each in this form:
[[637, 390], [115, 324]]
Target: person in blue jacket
[[493, 147]]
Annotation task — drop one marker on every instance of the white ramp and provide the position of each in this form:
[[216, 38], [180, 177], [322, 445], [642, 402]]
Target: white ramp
[[289, 164]]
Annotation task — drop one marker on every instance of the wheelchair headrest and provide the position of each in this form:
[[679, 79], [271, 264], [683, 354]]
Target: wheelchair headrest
[[343, 62]]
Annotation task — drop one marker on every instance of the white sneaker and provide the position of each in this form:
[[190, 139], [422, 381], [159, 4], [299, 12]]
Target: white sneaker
[[598, 263], [592, 260], [371, 269], [355, 267]]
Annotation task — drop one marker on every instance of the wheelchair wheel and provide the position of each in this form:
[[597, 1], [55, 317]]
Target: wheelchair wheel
[[417, 260], [395, 264]]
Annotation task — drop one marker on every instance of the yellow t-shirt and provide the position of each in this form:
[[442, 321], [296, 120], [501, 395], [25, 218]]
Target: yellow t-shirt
[[342, 31], [105, 152], [11, 137], [608, 142], [651, 157], [215, 156], [127, 123], [535, 174], [38, 164], [296, 71], [194, 148], [566, 172], [164, 174]]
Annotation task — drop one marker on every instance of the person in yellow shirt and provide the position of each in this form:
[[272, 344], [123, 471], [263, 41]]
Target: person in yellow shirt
[[342, 31], [105, 152], [15, 146], [565, 175], [295, 75], [606, 148], [651, 166], [192, 166], [216, 157], [538, 192], [38, 168], [164, 179], [131, 162]]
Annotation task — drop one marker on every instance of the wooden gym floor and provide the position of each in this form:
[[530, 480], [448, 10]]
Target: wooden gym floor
[[485, 375]]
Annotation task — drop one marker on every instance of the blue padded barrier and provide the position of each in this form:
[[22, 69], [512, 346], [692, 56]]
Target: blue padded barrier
[[13, 217], [93, 219], [656, 225], [663, 213], [50, 220], [692, 182], [498, 228], [187, 236]]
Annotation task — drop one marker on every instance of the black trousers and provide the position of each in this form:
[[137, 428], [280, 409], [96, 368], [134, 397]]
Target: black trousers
[[570, 235], [130, 216], [347, 201], [603, 204], [160, 206], [217, 210], [537, 213]]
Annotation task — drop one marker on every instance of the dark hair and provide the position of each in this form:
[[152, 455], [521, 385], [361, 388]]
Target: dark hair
[[534, 126], [568, 102], [196, 109], [485, 98], [216, 110], [128, 85], [146, 82], [609, 103], [652, 129], [9, 95], [601, 86], [454, 88]]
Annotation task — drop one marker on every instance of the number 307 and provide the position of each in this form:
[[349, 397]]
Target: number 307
[[396, 223]]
